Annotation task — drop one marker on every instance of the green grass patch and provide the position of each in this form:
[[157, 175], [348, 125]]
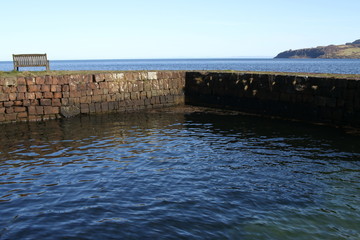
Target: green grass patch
[[85, 72]]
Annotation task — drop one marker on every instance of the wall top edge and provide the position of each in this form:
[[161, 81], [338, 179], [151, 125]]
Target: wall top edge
[[14, 75]]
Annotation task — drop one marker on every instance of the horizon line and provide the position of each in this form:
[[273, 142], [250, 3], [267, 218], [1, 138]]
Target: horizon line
[[165, 58]]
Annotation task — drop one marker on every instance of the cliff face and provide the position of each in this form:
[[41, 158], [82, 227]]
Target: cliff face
[[349, 50]]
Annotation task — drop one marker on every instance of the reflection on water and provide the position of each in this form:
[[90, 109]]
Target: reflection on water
[[178, 173]]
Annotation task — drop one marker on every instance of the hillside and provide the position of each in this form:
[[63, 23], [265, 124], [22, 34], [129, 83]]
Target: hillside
[[348, 50]]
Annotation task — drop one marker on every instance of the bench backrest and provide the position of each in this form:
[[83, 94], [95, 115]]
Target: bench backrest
[[30, 60]]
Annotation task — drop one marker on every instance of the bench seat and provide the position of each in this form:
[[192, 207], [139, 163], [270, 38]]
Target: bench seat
[[30, 60]]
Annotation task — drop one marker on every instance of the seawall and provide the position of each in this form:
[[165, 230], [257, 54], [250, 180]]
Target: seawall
[[330, 100], [36, 98]]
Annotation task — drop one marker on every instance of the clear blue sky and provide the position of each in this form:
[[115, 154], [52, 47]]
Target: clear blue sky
[[116, 29]]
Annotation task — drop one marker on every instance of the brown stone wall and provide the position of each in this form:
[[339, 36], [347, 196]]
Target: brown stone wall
[[326, 100], [53, 96], [36, 98]]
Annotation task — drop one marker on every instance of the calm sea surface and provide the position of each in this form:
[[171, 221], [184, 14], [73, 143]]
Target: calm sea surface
[[178, 173], [342, 66]]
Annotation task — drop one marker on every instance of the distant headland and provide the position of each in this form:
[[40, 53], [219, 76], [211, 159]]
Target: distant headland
[[348, 50]]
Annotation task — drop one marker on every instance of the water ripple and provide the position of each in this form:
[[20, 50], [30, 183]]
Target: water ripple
[[171, 175]]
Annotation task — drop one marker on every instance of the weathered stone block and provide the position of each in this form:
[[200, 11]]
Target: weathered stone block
[[69, 111], [64, 101], [26, 102], [38, 95], [105, 106], [34, 88], [126, 96], [105, 91], [51, 110], [330, 102], [163, 99], [18, 103], [45, 88], [84, 108], [97, 92], [96, 98], [48, 95], [142, 76], [118, 76], [4, 97], [110, 97], [93, 85], [128, 76], [55, 102], [45, 102], [10, 82], [19, 109], [40, 80], [88, 92], [74, 101], [57, 95], [34, 118], [55, 88], [55, 80], [9, 110], [134, 95], [142, 95], [39, 110], [30, 95], [21, 88], [152, 75], [31, 110], [34, 102], [22, 115], [10, 117], [119, 97], [103, 98], [99, 77], [97, 107], [48, 80], [12, 96], [21, 81], [113, 106], [20, 96], [155, 85], [147, 85], [92, 107], [30, 81], [85, 99]]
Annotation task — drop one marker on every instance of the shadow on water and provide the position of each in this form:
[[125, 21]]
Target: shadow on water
[[303, 135], [183, 172], [224, 123]]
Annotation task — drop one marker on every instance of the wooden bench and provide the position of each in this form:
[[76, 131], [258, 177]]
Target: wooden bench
[[30, 60]]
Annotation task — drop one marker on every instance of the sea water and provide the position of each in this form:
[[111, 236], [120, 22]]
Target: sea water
[[341, 66], [178, 173]]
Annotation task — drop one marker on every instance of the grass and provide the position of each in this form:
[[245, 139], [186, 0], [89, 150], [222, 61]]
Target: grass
[[51, 73], [300, 74], [350, 52], [5, 74], [345, 51]]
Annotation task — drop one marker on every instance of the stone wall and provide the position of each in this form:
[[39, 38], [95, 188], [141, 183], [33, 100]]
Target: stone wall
[[325, 100], [36, 98]]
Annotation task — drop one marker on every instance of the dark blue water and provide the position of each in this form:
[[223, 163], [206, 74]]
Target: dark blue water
[[178, 173], [341, 66]]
